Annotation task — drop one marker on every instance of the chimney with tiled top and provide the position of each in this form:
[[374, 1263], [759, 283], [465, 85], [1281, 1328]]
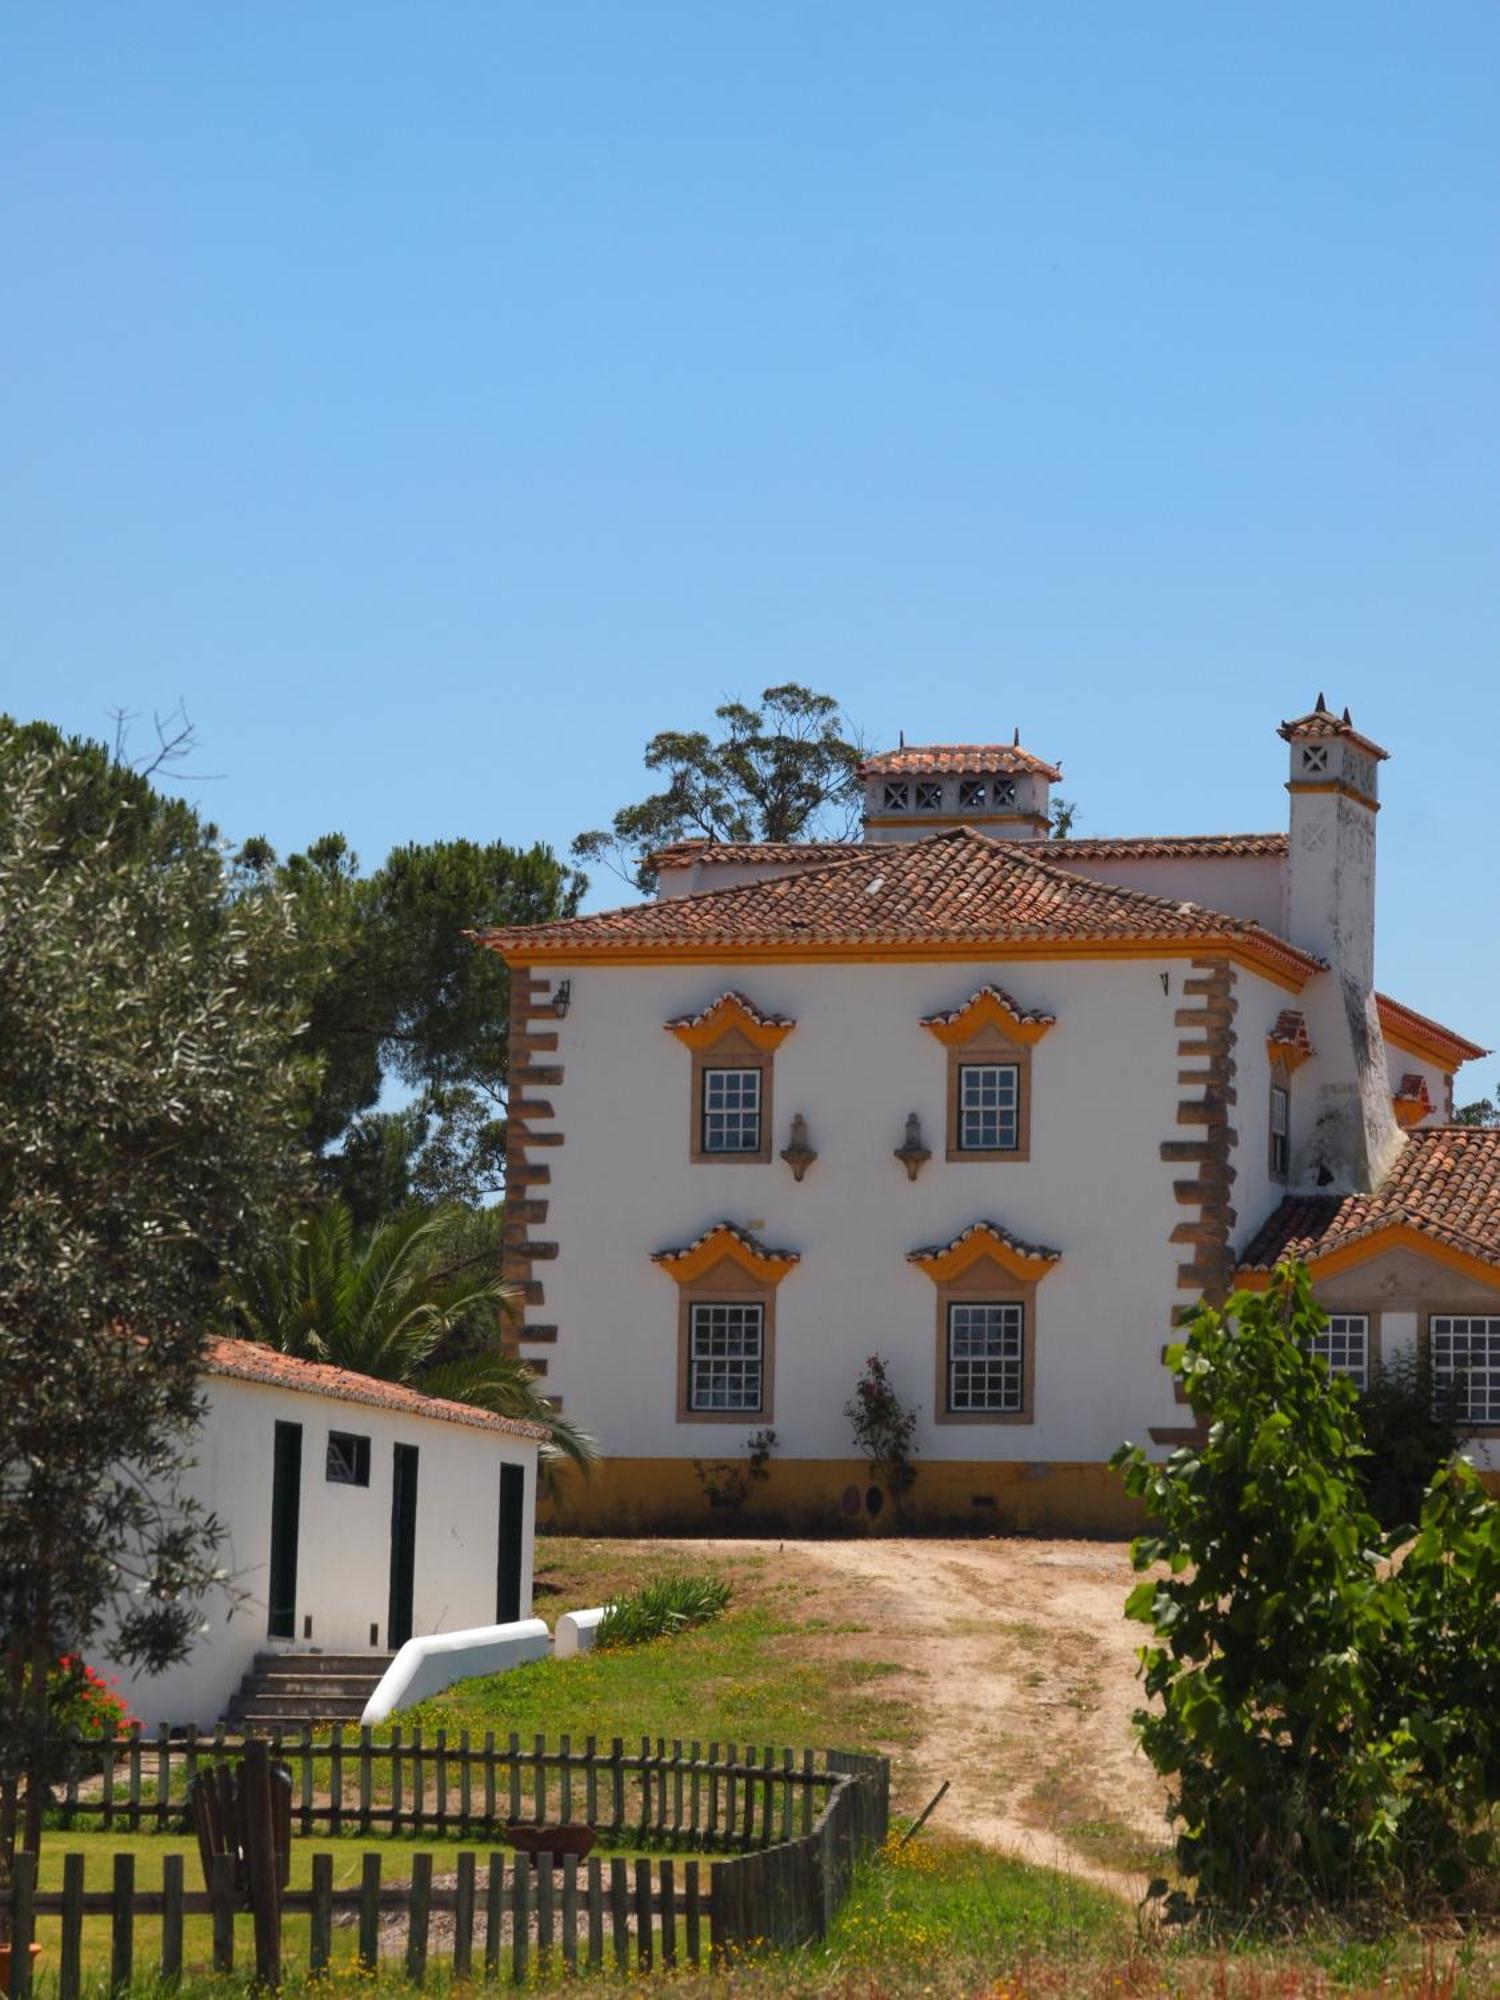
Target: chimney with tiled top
[[997, 788], [1346, 1136]]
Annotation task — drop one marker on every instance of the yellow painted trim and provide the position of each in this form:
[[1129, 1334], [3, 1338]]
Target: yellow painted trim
[[1394, 1236], [1440, 1049], [1333, 785], [726, 1013], [952, 951], [985, 1009], [718, 1244], [983, 1241], [1287, 1054]]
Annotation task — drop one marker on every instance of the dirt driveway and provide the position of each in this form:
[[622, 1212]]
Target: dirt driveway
[[1023, 1672]]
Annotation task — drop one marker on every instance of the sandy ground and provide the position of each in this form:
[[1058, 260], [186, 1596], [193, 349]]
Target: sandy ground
[[1024, 1678]]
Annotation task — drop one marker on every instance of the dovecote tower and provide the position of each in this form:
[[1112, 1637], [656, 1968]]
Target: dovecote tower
[[997, 788], [1348, 1136]]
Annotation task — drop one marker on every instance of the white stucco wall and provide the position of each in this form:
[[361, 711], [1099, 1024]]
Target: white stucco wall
[[344, 1552], [1104, 1097]]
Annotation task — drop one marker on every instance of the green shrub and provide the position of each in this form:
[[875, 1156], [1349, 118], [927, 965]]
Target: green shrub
[[1411, 1428], [671, 1604], [1328, 1715]]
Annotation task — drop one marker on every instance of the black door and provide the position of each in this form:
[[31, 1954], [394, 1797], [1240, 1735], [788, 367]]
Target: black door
[[512, 1522], [403, 1546], [286, 1514]]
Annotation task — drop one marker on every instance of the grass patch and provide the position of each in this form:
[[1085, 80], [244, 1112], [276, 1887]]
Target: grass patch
[[757, 1675], [664, 1608]]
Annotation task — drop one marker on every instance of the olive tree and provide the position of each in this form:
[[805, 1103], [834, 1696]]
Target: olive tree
[[148, 1094]]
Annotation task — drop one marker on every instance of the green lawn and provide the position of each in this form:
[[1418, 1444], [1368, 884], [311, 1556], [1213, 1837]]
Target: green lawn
[[759, 1675]]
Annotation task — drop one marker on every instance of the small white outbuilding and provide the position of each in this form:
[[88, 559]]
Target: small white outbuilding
[[357, 1514]]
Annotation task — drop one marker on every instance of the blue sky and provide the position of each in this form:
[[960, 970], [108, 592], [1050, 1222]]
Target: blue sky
[[442, 399]]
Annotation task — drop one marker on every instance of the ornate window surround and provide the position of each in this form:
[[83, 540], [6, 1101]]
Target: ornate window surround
[[731, 1033], [990, 1027], [985, 1265], [726, 1266]]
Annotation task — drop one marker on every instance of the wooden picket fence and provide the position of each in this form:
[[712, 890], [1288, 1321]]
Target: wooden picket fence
[[708, 1798], [508, 1919]]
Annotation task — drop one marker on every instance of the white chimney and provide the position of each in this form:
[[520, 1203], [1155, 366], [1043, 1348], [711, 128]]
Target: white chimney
[[1344, 1130]]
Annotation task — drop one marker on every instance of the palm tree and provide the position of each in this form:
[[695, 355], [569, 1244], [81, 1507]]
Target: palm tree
[[383, 1306]]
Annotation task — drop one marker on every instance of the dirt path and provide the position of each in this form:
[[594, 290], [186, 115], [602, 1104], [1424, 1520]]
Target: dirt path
[[1024, 1676]]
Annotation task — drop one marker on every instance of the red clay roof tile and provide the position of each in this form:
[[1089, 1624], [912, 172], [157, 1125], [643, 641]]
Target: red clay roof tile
[[1445, 1184], [957, 759], [249, 1361]]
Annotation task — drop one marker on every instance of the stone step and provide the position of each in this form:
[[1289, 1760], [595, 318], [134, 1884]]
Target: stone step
[[310, 1689], [278, 1708], [275, 1664]]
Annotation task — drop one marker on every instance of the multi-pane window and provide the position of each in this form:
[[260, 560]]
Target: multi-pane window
[[348, 1462], [986, 1359], [726, 1355], [989, 1100], [972, 792], [896, 796], [929, 798], [1345, 1345], [1466, 1354], [1281, 1130], [731, 1110]]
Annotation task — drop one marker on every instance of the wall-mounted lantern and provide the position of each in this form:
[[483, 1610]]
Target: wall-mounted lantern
[[562, 998], [912, 1154], [797, 1153]]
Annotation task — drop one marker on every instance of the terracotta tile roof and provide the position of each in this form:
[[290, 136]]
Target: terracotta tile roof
[[958, 760], [1322, 722], [1168, 847], [761, 1252], [1445, 1184], [1405, 1025], [753, 853], [1138, 847], [249, 1361], [959, 888]]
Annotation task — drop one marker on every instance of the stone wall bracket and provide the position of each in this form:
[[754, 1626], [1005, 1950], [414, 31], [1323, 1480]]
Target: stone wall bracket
[[797, 1153], [912, 1154]]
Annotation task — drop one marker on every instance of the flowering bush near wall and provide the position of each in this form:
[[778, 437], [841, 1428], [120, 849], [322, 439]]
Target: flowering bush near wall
[[79, 1697], [1326, 1690]]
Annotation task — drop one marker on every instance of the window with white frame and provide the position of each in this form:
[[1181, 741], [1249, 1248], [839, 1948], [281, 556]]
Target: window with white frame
[[989, 1104], [1466, 1356], [1345, 1345], [986, 1359], [1281, 1130], [726, 1356], [731, 1110]]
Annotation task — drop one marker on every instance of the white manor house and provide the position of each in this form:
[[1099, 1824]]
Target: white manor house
[[994, 1107]]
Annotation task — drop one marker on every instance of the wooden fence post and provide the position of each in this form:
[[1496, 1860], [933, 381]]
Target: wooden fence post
[[70, 1965], [22, 1923], [260, 1861]]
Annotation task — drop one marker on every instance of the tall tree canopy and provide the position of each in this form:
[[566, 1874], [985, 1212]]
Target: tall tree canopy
[[782, 771], [149, 1097], [398, 995]]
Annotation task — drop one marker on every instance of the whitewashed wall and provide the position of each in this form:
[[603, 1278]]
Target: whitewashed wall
[[343, 1571], [1104, 1096]]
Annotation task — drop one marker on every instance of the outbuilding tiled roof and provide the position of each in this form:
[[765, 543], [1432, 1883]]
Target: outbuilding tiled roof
[[1169, 847], [1445, 1184], [1135, 847], [249, 1361], [753, 853], [959, 888], [957, 760]]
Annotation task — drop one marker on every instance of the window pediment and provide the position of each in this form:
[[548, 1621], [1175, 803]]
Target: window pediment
[[990, 1008], [732, 1014], [1026, 1263], [726, 1242], [1412, 1102], [1288, 1044]]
